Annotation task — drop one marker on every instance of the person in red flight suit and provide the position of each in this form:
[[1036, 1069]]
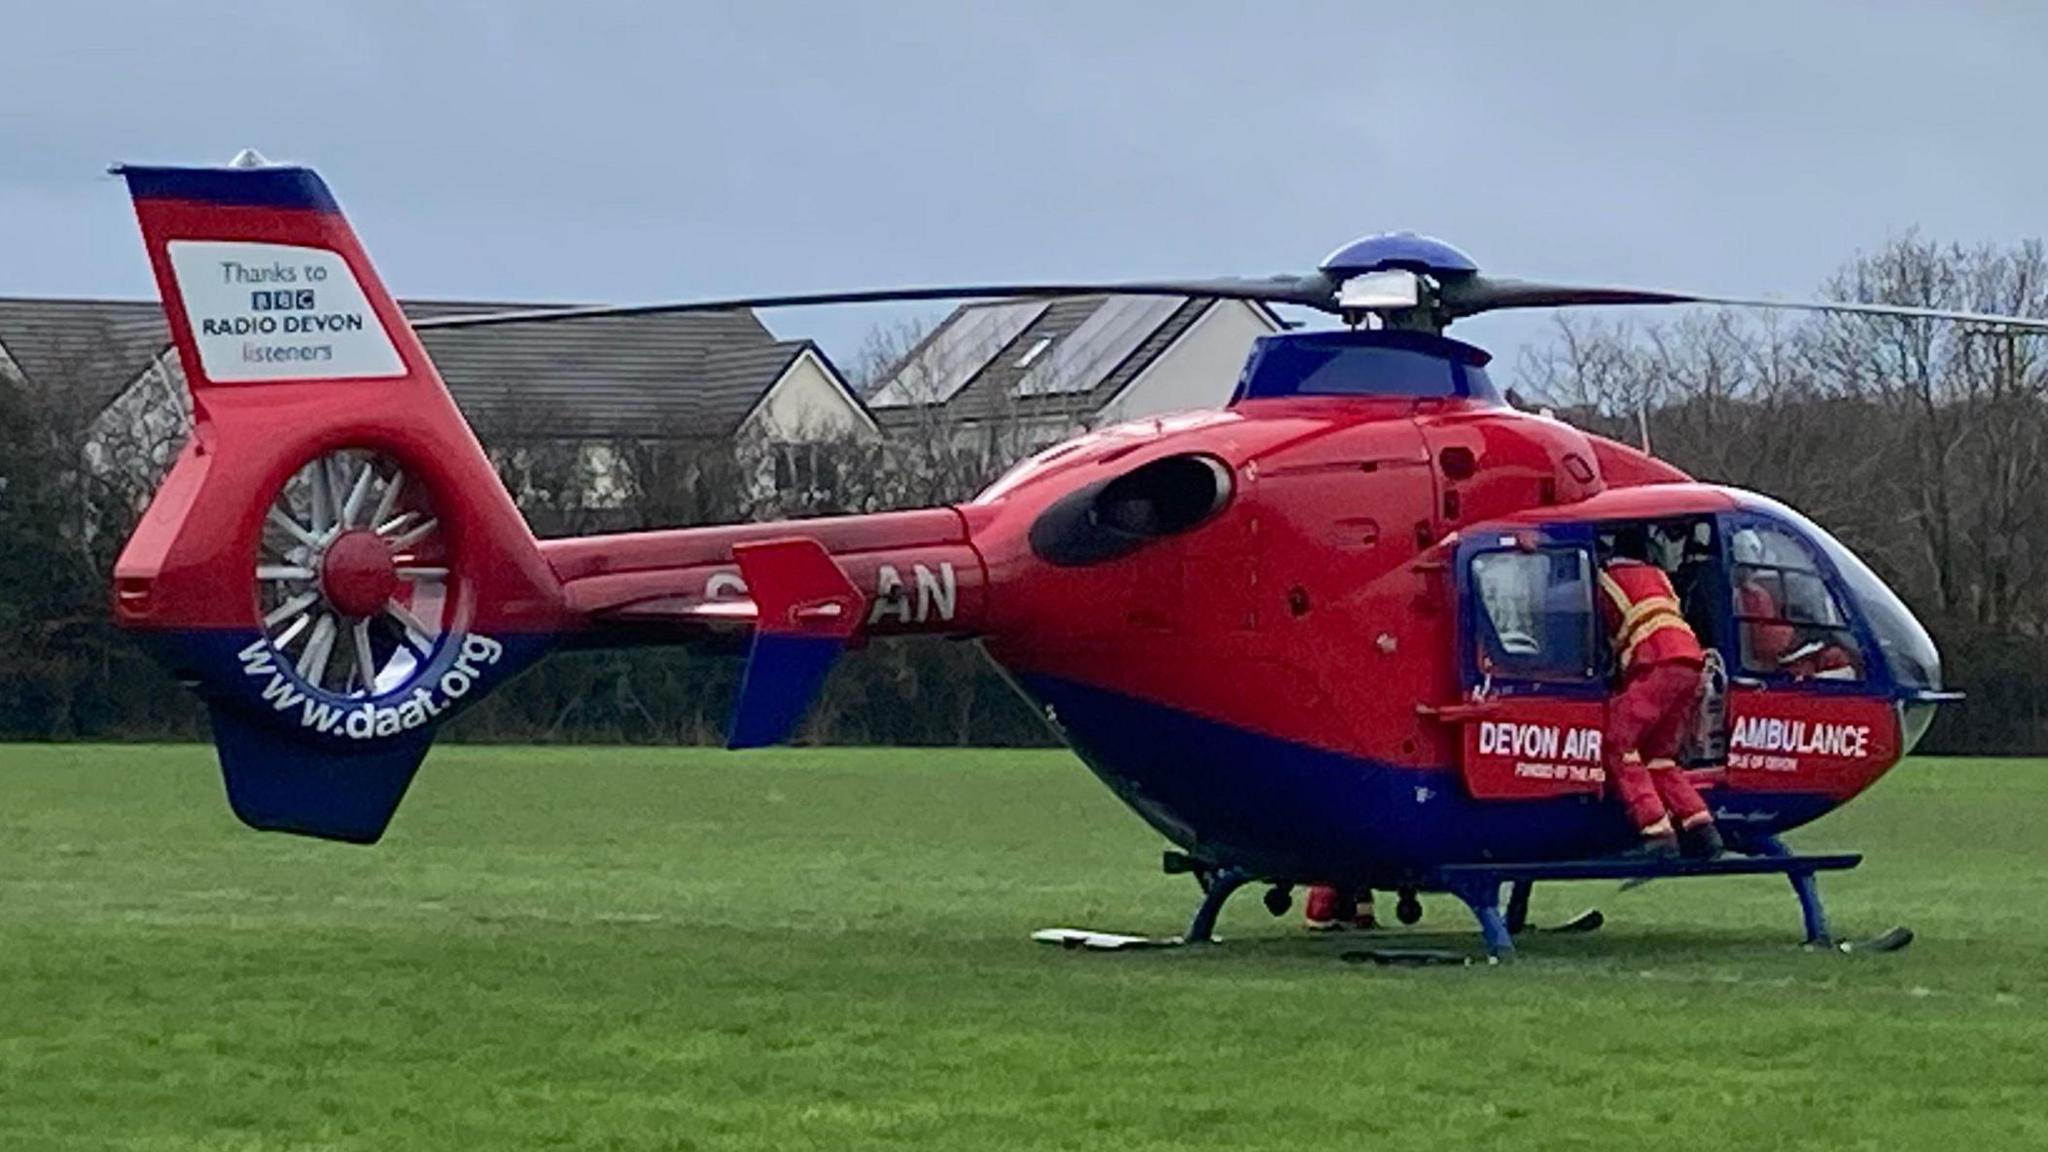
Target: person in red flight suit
[[1766, 637], [1330, 909], [1768, 641], [1658, 661]]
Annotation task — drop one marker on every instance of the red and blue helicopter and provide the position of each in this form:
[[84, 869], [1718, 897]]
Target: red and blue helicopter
[[1340, 631]]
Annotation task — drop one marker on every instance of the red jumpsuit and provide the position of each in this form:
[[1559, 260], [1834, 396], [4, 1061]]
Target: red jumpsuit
[[1660, 661], [1767, 640]]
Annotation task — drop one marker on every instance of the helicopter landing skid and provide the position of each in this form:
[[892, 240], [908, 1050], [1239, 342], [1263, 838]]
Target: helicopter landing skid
[[1517, 916], [1071, 938], [1516, 920], [1478, 885], [1218, 885]]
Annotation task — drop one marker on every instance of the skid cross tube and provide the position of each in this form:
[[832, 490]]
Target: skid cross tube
[[1221, 885], [1803, 885], [1481, 893], [1518, 906], [1478, 885]]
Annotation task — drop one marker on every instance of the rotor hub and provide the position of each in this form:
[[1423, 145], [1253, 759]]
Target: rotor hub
[[358, 574], [1404, 251]]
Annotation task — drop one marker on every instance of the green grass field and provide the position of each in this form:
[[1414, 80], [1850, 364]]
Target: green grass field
[[654, 949]]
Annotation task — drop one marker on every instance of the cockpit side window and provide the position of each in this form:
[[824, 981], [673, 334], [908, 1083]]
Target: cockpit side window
[[1791, 624], [1536, 614]]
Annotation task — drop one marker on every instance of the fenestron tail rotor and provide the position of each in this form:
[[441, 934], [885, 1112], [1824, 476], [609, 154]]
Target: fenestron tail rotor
[[1396, 279], [352, 576]]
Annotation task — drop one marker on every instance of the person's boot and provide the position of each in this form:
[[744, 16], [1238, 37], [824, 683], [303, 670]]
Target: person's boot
[[1701, 841], [1659, 842]]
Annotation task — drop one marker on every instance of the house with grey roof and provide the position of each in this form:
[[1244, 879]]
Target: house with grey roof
[[593, 382], [1025, 373], [98, 345], [107, 357], [715, 375]]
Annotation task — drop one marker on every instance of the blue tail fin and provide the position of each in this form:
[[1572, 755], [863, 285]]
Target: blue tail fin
[[807, 611], [281, 783]]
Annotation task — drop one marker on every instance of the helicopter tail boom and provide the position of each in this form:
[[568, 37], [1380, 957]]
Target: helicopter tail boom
[[799, 592]]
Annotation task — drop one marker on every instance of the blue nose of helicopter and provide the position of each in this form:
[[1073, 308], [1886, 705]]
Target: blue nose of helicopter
[[1910, 657]]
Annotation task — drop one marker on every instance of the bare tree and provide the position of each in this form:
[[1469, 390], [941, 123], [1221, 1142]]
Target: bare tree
[[1965, 409], [75, 475]]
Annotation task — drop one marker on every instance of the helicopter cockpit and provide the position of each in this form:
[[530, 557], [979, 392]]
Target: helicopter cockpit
[[1796, 629], [1779, 598]]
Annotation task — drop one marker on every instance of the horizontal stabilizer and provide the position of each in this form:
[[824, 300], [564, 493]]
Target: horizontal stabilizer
[[807, 609], [281, 783]]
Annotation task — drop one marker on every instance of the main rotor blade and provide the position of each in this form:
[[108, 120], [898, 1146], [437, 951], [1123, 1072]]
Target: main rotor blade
[[1308, 291], [1472, 295]]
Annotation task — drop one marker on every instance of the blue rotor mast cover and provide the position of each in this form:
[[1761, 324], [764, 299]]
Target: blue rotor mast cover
[[1364, 362]]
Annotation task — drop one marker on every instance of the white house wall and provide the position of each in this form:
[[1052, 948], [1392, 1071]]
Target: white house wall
[[808, 403], [141, 429], [1199, 370]]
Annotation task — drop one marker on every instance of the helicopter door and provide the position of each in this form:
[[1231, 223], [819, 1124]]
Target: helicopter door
[[1801, 714], [1536, 698]]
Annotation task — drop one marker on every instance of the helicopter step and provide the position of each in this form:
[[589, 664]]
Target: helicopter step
[[1478, 885]]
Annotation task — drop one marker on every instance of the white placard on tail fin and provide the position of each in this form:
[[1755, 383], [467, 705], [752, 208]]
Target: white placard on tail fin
[[264, 312]]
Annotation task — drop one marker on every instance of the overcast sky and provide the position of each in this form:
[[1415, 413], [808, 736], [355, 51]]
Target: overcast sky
[[611, 151]]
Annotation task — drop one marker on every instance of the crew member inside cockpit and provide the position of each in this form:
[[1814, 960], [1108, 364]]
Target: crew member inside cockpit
[[1766, 637], [1772, 600]]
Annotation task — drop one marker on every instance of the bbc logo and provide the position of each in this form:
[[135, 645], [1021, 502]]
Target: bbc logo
[[282, 300]]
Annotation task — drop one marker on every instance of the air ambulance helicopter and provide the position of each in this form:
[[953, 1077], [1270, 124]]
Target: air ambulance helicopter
[[1339, 631]]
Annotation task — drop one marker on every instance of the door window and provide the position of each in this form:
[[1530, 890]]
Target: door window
[[1536, 614]]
